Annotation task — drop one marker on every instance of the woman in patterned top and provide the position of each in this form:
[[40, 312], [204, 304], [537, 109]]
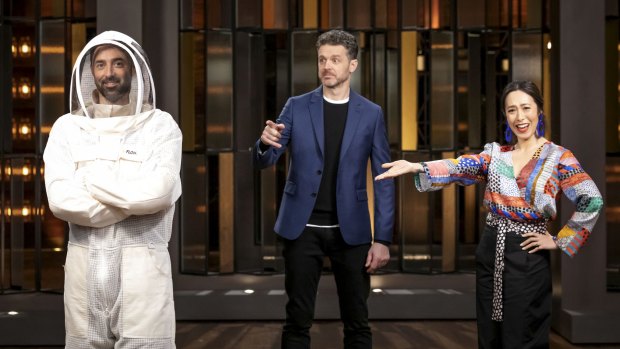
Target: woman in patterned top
[[523, 180]]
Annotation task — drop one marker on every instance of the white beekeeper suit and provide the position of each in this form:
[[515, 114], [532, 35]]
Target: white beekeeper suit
[[112, 171]]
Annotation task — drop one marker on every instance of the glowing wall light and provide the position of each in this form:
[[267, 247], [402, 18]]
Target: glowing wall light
[[25, 89], [14, 47], [25, 47]]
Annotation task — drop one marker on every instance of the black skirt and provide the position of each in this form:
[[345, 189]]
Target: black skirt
[[526, 295]]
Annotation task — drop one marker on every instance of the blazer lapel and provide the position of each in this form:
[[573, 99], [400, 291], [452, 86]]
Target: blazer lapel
[[316, 116], [353, 119]]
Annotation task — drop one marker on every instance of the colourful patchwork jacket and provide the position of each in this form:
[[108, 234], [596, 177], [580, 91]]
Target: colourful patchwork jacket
[[532, 195]]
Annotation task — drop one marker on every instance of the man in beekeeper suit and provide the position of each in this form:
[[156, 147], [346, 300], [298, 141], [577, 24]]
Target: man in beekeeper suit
[[112, 172]]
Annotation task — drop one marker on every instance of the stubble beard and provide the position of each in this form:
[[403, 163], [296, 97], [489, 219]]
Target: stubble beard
[[335, 84], [116, 93]]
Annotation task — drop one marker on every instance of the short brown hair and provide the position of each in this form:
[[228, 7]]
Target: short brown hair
[[339, 37]]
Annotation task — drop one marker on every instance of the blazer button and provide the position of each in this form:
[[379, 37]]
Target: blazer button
[[319, 172], [313, 195]]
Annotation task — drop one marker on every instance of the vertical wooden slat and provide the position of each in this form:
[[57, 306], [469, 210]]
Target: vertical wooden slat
[[409, 91], [448, 235], [311, 14], [470, 214], [325, 15], [269, 9], [188, 114], [226, 214]]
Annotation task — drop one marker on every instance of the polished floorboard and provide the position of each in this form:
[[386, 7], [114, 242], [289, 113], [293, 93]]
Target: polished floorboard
[[328, 335]]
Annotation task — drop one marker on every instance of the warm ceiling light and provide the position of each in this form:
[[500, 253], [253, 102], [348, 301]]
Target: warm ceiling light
[[25, 170], [549, 45], [25, 211]]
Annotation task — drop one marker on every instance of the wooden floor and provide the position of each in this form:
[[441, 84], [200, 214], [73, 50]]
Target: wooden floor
[[328, 335]]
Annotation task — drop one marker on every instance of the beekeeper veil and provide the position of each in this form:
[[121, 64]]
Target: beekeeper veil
[[111, 77]]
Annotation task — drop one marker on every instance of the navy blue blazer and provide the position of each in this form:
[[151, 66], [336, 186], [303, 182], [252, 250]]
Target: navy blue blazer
[[364, 138]]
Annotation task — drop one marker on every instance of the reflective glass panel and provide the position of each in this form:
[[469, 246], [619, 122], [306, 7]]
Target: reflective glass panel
[[250, 65], [497, 13], [331, 14], [192, 85], [612, 210], [416, 226], [194, 213], [275, 14], [379, 66], [527, 57], [392, 98], [53, 8], [304, 62], [193, 14], [219, 90], [359, 15], [471, 13], [52, 74], [20, 8], [219, 13], [442, 90], [249, 13], [416, 13], [82, 8]]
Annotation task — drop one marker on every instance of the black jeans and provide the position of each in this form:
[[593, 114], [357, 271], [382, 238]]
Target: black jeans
[[303, 262], [526, 300]]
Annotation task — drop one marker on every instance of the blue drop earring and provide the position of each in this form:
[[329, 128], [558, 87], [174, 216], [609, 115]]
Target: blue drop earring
[[540, 127], [508, 134]]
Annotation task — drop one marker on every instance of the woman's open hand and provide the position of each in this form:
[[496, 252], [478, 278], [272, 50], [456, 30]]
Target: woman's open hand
[[398, 168]]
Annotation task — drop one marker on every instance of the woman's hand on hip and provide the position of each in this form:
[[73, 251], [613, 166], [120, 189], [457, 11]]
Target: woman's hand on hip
[[535, 242]]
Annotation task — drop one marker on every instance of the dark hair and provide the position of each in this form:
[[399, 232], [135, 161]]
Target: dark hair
[[339, 37], [532, 90], [525, 86]]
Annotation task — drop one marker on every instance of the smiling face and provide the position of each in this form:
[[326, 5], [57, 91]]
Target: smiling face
[[521, 114], [335, 67], [112, 72]]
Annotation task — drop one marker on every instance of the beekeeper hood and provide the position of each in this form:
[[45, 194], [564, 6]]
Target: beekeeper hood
[[111, 77]]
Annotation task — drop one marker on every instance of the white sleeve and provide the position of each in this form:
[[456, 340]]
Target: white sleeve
[[67, 196], [154, 188]]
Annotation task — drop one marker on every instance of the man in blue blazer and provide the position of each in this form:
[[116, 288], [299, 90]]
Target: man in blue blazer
[[331, 133]]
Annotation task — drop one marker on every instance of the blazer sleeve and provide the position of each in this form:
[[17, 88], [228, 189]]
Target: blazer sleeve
[[383, 190], [67, 196], [156, 186], [264, 159]]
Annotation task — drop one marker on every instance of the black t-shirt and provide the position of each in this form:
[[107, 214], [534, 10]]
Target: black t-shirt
[[334, 120]]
